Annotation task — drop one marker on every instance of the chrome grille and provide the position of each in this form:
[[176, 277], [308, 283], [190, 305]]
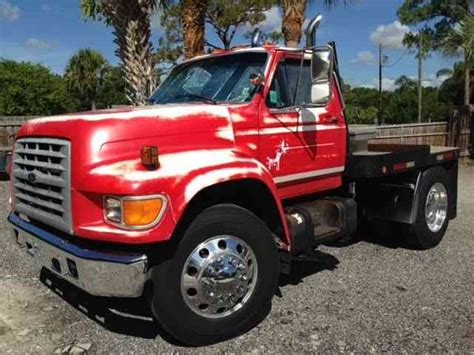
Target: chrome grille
[[41, 181]]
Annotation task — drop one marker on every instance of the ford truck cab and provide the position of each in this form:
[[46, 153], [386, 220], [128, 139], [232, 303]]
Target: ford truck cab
[[241, 161]]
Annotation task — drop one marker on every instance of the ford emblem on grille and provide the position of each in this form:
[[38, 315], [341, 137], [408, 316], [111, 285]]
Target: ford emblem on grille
[[32, 178]]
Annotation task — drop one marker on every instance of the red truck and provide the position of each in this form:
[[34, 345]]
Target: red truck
[[242, 161]]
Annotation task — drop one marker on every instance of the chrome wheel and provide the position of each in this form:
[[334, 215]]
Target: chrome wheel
[[436, 207], [219, 276]]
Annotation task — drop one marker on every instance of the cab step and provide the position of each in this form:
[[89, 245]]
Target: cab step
[[323, 231]]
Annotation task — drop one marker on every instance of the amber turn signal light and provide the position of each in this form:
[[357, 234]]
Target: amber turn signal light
[[149, 157], [139, 213]]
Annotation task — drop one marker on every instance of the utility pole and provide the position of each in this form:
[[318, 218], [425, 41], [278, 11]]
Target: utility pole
[[381, 120], [382, 61], [420, 76]]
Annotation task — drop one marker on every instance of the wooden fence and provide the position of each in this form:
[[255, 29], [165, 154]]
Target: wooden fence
[[420, 133], [455, 133], [9, 127]]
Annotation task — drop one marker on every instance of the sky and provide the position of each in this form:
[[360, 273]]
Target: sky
[[51, 31]]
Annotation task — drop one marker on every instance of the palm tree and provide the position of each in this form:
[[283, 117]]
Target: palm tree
[[461, 39], [132, 30], [404, 82], [194, 15], [84, 75], [293, 18]]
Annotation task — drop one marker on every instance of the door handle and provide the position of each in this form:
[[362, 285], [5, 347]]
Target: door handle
[[330, 120]]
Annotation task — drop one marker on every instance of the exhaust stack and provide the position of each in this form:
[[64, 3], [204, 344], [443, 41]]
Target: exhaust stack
[[311, 31]]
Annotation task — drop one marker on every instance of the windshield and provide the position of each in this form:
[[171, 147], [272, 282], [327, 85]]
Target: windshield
[[216, 79]]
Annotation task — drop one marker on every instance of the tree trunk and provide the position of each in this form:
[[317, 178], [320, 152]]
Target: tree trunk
[[293, 19], [194, 14], [420, 77], [132, 31], [93, 105]]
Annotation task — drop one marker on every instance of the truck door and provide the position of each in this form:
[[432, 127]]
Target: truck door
[[302, 145]]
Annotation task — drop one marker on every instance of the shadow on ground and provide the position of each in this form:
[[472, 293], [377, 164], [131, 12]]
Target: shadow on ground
[[128, 316], [387, 234], [391, 242], [308, 265]]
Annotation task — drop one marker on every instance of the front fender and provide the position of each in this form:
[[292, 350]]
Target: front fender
[[234, 168], [181, 176]]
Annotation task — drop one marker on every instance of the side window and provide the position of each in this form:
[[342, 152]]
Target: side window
[[277, 94], [304, 86], [284, 84]]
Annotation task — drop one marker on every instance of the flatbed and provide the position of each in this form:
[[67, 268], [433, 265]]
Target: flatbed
[[380, 160]]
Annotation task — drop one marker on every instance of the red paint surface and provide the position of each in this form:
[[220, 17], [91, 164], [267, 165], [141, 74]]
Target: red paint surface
[[199, 145]]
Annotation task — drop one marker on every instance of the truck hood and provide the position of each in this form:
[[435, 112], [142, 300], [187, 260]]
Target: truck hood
[[131, 123]]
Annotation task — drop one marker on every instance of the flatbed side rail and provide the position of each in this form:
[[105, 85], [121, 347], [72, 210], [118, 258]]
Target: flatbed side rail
[[381, 160]]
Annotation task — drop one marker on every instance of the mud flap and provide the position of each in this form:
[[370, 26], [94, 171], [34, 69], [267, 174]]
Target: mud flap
[[397, 201]]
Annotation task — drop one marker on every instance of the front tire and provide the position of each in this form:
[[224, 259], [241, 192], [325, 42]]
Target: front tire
[[221, 278]]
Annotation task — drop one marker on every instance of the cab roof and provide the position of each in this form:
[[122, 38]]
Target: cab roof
[[267, 48]]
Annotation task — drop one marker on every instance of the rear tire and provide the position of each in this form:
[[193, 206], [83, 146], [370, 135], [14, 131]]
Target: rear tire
[[432, 218], [195, 305]]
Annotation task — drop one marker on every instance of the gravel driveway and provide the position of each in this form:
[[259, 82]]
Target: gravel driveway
[[372, 296]]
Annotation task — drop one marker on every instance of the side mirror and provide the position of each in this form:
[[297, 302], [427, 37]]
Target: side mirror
[[257, 80], [322, 64]]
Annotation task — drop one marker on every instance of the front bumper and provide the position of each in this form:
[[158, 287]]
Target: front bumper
[[100, 273]]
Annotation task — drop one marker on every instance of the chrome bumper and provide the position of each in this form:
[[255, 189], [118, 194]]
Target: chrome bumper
[[99, 273]]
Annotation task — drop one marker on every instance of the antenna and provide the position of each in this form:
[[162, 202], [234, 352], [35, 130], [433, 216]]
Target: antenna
[[311, 31], [256, 37]]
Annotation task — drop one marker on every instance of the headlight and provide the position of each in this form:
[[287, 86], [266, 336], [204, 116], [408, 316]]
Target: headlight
[[134, 212], [113, 209]]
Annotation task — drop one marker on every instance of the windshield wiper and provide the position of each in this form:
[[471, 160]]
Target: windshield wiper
[[200, 97]]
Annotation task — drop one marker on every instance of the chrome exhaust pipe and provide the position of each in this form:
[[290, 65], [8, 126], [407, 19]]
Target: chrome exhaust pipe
[[256, 38], [311, 31]]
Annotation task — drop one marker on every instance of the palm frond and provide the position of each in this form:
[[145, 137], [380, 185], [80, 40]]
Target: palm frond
[[331, 3], [460, 39]]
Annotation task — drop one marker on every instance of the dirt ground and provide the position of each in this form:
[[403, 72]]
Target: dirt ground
[[371, 297]]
